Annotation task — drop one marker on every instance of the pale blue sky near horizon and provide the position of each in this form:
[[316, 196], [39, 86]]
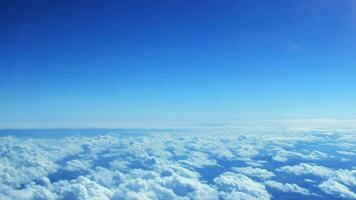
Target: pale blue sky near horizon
[[84, 63]]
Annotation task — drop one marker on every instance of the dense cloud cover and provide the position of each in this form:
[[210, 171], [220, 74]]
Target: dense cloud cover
[[308, 165]]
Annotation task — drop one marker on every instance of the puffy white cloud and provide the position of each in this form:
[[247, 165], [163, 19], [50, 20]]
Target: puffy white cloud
[[305, 168], [119, 164], [348, 153], [174, 184], [335, 188], [254, 172], [31, 192], [164, 166], [254, 163], [309, 180], [283, 155], [335, 181], [143, 189], [192, 188], [78, 165], [232, 185], [25, 160], [106, 177], [198, 159], [347, 177], [81, 188], [287, 187]]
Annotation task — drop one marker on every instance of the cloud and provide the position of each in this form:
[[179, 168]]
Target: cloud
[[254, 172], [198, 159], [81, 188], [175, 183], [283, 155], [347, 153], [143, 189], [168, 166], [25, 160], [348, 177], [335, 188], [31, 192], [305, 168], [234, 185], [287, 187], [335, 181], [78, 165]]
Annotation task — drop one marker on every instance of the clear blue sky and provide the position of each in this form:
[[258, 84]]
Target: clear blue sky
[[77, 63]]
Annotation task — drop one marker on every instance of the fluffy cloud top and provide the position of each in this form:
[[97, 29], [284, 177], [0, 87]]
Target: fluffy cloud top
[[232, 184], [337, 189], [172, 166], [287, 187], [254, 172], [305, 168]]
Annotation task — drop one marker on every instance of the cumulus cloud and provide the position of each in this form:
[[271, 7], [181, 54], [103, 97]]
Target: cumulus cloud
[[141, 184], [347, 153], [25, 160], [254, 172], [287, 187], [335, 181], [168, 166], [198, 159], [305, 168], [345, 176], [283, 155], [78, 165], [81, 188], [233, 185], [335, 188]]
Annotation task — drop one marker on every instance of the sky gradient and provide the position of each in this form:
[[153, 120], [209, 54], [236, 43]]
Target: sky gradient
[[84, 63]]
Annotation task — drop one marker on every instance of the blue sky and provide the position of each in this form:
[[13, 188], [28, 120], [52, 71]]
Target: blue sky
[[82, 63]]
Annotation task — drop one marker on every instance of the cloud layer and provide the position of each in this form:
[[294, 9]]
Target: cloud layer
[[179, 166]]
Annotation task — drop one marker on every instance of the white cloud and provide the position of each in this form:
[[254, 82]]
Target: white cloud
[[31, 192], [78, 165], [25, 160], [305, 168], [347, 177], [143, 189], [335, 188], [119, 164], [347, 153], [81, 188], [231, 184], [335, 181], [287, 187], [254, 172], [161, 166], [198, 159], [178, 183], [283, 155], [309, 180]]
